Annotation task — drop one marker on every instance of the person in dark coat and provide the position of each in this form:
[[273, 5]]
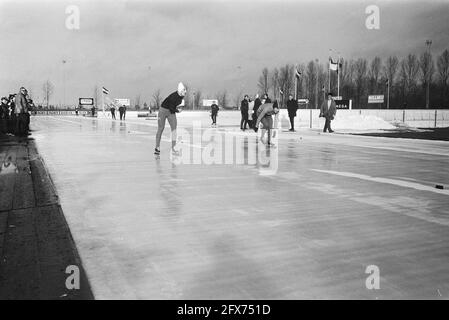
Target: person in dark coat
[[113, 111], [244, 112], [213, 113], [266, 99], [257, 104], [328, 110], [21, 112], [4, 115], [292, 107], [121, 111]]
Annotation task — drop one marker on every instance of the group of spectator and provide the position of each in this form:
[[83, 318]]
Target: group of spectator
[[15, 113], [249, 110]]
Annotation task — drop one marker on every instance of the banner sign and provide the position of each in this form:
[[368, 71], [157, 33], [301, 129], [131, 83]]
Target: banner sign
[[86, 101], [303, 101], [209, 102], [123, 102], [376, 99], [342, 104]]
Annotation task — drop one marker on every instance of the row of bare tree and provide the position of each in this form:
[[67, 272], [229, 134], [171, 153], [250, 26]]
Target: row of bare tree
[[407, 77]]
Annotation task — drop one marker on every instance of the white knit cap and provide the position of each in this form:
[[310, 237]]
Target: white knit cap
[[181, 89]]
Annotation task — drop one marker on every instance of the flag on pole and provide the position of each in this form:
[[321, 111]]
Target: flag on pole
[[105, 91], [297, 73], [333, 65], [281, 92]]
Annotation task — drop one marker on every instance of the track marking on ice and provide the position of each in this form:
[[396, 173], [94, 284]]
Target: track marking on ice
[[401, 183]]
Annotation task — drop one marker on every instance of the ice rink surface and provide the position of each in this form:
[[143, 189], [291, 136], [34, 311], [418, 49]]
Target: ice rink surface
[[308, 227]]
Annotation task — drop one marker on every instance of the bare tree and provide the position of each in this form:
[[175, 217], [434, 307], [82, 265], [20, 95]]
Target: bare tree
[[197, 98], [390, 69], [311, 80], [408, 75], [286, 81], [237, 99], [275, 83], [137, 102], [360, 79], [222, 98], [47, 89], [443, 73], [427, 69], [157, 99], [374, 73], [263, 83]]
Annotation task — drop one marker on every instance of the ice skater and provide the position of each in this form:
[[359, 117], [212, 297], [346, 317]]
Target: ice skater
[[265, 116], [168, 110], [213, 114]]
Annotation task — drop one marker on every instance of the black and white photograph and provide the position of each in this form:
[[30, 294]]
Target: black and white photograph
[[246, 152]]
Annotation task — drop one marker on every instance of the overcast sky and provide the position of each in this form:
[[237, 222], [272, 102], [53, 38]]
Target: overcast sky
[[135, 47]]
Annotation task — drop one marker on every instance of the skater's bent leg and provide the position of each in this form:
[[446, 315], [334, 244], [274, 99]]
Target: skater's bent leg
[[173, 122], [160, 127]]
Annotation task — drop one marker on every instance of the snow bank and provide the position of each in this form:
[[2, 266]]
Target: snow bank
[[360, 122]]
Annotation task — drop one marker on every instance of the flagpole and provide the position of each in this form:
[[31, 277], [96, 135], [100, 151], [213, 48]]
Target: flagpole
[[329, 75], [338, 75], [296, 85]]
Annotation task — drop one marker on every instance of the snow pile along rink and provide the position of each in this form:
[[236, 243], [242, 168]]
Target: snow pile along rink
[[358, 122]]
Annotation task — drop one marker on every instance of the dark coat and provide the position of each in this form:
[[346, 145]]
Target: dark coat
[[214, 109], [257, 104], [292, 107], [21, 103], [244, 106], [328, 112]]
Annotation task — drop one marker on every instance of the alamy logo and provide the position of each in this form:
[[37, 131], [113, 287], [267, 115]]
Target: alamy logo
[[373, 280], [373, 19], [73, 280], [72, 22], [212, 147]]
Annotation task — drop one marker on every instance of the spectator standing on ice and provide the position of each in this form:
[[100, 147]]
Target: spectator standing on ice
[[257, 104], [167, 111], [266, 99], [21, 112], [124, 112], [213, 113], [250, 113], [292, 107], [113, 111], [4, 115], [244, 107], [121, 111], [328, 111]]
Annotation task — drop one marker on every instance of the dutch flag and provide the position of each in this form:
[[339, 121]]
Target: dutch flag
[[105, 91], [281, 92], [297, 73]]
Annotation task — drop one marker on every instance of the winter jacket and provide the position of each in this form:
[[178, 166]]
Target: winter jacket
[[244, 106], [21, 103], [328, 112], [292, 107]]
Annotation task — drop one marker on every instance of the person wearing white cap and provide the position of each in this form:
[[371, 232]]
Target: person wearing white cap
[[168, 110]]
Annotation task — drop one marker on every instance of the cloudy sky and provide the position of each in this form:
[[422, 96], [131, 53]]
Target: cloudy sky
[[136, 47]]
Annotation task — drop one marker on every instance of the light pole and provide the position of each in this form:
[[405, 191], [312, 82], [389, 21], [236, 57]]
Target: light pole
[[316, 87], [63, 82], [428, 44], [388, 93]]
